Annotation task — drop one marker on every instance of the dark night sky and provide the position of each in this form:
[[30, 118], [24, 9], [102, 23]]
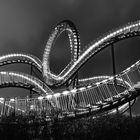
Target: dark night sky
[[25, 27]]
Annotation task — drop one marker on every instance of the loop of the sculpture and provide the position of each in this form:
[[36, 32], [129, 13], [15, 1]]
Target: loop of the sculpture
[[51, 78], [24, 80], [126, 31]]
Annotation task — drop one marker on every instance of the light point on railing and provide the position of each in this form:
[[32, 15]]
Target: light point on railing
[[32, 107], [12, 100], [82, 88], [57, 95], [104, 81], [98, 83], [137, 63], [1, 99], [128, 69], [73, 90], [89, 86], [49, 96], [132, 65], [111, 78], [65, 92], [3, 72], [40, 98]]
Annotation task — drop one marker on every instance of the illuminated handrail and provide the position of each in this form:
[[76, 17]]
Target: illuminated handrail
[[23, 80], [126, 31], [94, 94], [66, 101], [21, 58]]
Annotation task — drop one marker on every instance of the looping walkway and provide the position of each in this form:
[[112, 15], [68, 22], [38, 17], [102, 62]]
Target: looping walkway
[[91, 96]]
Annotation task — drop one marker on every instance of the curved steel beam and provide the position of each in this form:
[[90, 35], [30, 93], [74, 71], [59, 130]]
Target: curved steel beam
[[22, 80], [126, 31], [74, 40], [21, 58], [18, 79]]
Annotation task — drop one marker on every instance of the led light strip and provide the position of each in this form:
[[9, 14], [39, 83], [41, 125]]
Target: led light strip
[[20, 58], [22, 78], [51, 78], [118, 79], [129, 30], [78, 59]]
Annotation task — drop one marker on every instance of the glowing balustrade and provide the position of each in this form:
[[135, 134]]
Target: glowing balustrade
[[24, 80], [21, 58]]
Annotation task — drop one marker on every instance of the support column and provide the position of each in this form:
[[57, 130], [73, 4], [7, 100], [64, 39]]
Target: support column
[[31, 72]]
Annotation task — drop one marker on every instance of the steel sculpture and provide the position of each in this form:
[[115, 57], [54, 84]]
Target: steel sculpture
[[74, 97]]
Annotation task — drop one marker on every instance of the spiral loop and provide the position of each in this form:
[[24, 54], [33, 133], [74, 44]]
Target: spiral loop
[[51, 78]]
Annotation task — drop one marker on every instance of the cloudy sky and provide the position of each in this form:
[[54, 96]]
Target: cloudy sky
[[25, 26]]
